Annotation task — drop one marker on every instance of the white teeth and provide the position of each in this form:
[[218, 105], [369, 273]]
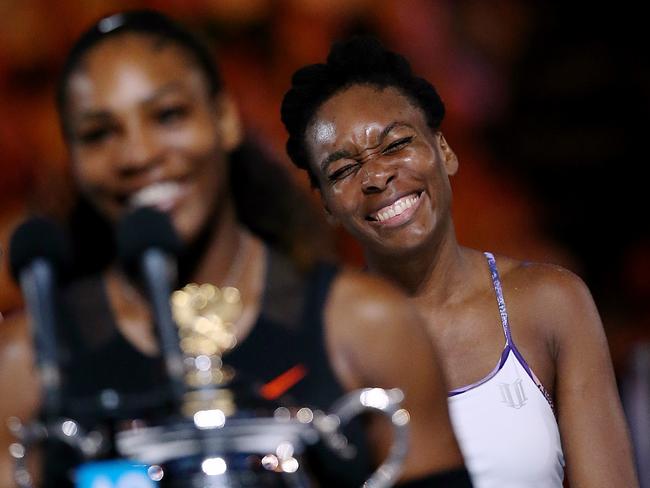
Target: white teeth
[[396, 208], [156, 195]]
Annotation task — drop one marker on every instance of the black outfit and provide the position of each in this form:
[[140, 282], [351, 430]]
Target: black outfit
[[104, 372], [455, 478]]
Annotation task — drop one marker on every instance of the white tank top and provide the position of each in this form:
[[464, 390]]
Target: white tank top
[[505, 424]]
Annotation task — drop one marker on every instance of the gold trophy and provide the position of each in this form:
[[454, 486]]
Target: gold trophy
[[205, 316]]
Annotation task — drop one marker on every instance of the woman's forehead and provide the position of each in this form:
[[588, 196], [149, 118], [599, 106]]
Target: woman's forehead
[[364, 108], [128, 67], [364, 102], [150, 53]]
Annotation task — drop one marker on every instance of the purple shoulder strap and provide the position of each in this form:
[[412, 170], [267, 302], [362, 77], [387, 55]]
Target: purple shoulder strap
[[498, 290], [496, 282]]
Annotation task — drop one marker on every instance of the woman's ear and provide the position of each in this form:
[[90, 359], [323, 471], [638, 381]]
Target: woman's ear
[[450, 159], [229, 121]]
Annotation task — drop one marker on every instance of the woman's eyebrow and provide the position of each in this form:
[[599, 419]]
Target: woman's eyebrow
[[93, 114], [100, 114], [342, 153], [335, 156], [173, 86]]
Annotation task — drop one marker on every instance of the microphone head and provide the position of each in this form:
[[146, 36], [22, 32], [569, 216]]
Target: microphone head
[[35, 238], [143, 229]]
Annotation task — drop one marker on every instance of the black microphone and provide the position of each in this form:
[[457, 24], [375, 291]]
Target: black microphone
[[39, 255], [147, 246]]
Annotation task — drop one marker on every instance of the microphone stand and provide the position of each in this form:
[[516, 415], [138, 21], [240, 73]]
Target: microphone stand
[[37, 284], [154, 265]]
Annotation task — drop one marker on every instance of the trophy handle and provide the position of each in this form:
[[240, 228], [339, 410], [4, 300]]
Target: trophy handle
[[387, 402]]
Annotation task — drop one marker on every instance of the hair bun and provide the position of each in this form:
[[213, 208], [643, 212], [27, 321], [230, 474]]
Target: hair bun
[[365, 54]]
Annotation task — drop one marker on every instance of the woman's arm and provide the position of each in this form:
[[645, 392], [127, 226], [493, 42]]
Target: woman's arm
[[376, 338], [19, 385], [594, 434]]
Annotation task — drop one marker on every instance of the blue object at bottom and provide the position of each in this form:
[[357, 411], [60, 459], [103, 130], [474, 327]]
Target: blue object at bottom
[[114, 474]]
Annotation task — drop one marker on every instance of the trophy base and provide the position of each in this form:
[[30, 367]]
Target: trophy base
[[243, 452]]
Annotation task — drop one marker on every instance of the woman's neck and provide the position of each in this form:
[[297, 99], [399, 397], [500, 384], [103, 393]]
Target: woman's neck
[[232, 256], [219, 251], [433, 273]]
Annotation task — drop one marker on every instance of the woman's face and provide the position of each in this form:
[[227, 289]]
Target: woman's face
[[382, 172], [145, 131]]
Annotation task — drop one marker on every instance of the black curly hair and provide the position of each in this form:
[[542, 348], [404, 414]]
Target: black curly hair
[[356, 61]]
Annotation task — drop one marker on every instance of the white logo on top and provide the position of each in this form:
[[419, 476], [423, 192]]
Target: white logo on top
[[513, 394]]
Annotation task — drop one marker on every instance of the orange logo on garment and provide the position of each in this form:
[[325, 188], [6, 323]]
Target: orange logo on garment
[[278, 386]]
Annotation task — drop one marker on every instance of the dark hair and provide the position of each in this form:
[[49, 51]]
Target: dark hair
[[359, 60], [148, 22]]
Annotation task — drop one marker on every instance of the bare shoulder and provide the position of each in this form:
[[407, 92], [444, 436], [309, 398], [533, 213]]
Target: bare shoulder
[[370, 302], [550, 296], [375, 335], [368, 320], [547, 285]]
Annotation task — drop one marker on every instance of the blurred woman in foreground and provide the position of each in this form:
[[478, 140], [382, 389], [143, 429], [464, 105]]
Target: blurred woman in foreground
[[148, 123]]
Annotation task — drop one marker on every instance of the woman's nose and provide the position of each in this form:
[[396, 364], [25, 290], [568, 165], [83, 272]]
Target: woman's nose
[[140, 151], [376, 175]]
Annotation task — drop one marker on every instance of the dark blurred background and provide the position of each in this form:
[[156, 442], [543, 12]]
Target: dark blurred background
[[548, 108]]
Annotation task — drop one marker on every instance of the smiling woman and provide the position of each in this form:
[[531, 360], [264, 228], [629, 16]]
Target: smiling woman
[[368, 132], [362, 155], [147, 123], [143, 113]]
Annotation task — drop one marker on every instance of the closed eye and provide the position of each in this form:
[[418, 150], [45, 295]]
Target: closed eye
[[397, 145], [343, 172]]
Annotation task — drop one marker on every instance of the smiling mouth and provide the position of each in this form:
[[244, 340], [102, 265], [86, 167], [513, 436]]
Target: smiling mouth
[[395, 209], [162, 196]]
